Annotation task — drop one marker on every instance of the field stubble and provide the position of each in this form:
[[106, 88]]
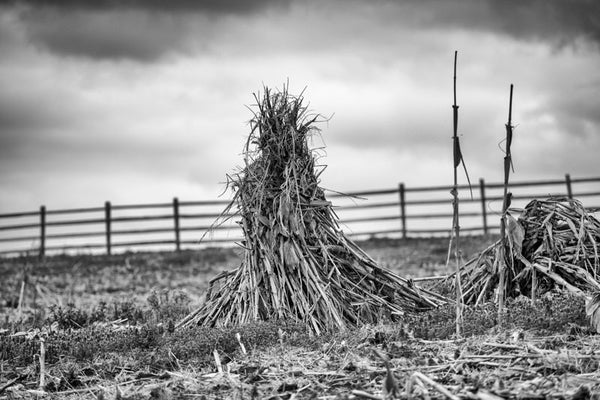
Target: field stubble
[[107, 325]]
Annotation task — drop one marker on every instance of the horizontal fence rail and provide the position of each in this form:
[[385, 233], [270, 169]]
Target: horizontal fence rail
[[399, 212]]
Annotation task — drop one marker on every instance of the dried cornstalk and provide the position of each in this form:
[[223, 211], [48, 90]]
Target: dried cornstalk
[[458, 159], [555, 238], [503, 264], [297, 264]]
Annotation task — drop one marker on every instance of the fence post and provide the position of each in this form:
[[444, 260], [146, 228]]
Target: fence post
[[176, 221], [42, 232], [107, 221], [483, 205], [401, 191], [569, 189]]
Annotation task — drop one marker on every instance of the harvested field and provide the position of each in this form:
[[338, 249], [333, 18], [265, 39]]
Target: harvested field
[[106, 324]]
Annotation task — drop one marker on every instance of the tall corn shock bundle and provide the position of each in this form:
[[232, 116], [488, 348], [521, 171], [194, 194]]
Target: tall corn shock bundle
[[297, 264]]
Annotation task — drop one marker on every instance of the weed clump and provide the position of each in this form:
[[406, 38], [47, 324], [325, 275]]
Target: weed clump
[[167, 305], [556, 311], [74, 317]]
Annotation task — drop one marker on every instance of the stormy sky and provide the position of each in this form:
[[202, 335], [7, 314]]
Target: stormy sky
[[140, 101]]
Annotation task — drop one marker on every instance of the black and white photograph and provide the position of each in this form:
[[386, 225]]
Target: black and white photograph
[[299, 199]]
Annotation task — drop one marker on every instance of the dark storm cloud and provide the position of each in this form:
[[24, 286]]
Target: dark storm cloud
[[105, 35], [147, 30], [565, 21], [126, 29], [209, 6], [559, 21]]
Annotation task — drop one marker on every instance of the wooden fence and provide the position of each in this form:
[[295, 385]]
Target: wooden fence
[[399, 212]]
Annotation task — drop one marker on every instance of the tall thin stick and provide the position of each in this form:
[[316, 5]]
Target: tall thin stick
[[42, 362], [455, 222], [505, 204]]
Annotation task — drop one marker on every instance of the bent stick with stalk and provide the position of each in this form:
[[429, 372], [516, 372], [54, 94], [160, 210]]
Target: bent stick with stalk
[[505, 205]]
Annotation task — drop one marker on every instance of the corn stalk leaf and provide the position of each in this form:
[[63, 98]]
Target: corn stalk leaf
[[592, 310]]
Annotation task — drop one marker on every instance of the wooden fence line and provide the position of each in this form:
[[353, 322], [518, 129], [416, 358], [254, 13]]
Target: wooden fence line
[[175, 214]]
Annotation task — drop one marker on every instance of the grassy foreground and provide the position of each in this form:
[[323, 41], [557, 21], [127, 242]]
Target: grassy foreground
[[106, 328]]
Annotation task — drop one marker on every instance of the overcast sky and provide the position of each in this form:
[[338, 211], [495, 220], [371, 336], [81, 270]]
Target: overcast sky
[[140, 101]]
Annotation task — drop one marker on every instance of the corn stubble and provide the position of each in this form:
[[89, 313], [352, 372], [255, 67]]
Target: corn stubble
[[297, 264]]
